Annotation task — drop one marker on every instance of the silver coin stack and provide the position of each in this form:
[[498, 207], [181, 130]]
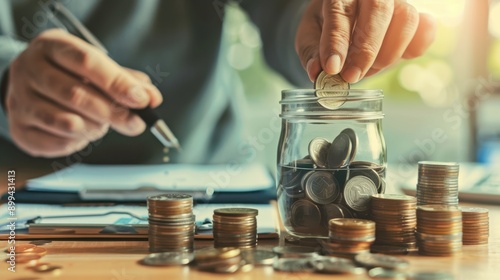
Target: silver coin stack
[[171, 223], [235, 227], [437, 183]]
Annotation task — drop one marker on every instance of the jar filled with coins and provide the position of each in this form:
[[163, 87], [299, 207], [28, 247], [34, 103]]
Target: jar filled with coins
[[331, 155]]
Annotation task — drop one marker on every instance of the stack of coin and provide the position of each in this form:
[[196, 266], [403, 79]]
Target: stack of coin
[[221, 260], [348, 237], [235, 227], [171, 223], [437, 183], [475, 225], [439, 230], [328, 184], [395, 219]]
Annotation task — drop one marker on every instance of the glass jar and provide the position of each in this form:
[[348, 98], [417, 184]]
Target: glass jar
[[331, 157]]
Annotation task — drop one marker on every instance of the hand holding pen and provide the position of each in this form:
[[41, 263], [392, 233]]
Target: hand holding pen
[[63, 93]]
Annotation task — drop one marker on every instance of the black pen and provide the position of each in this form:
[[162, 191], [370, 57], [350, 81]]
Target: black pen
[[63, 18]]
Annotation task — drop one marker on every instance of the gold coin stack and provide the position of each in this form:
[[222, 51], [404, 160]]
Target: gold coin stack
[[235, 227], [437, 183], [350, 236], [395, 218], [171, 223], [475, 226], [439, 230]]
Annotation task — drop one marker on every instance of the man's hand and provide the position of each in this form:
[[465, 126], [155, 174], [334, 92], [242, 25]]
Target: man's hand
[[358, 38], [63, 93]]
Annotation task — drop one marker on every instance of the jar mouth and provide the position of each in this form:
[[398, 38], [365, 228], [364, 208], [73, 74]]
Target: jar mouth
[[358, 94], [321, 104]]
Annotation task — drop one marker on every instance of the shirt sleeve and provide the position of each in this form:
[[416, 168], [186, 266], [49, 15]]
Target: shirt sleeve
[[278, 21]]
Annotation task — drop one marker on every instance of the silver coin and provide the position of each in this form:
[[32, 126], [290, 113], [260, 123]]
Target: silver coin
[[354, 141], [379, 260], [383, 273], [330, 89], [292, 265], [304, 213], [383, 186], [168, 258], [357, 193], [339, 151], [429, 275], [259, 257], [295, 252], [318, 150], [370, 173], [322, 187], [332, 211], [331, 265]]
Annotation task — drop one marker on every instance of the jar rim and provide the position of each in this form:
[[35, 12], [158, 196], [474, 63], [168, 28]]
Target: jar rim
[[357, 94]]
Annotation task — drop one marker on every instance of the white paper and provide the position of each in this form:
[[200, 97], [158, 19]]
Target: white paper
[[171, 177]]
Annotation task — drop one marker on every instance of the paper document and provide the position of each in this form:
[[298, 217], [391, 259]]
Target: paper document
[[171, 177]]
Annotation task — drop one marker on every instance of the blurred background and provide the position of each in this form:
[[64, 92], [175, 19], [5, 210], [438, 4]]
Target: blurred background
[[442, 106]]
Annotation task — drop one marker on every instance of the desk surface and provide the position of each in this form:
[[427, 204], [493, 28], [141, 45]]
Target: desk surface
[[118, 260]]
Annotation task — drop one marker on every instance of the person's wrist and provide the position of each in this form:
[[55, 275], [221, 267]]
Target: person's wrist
[[3, 88]]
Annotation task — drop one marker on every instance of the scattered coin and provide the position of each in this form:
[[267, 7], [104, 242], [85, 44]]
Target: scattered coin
[[329, 265], [258, 257], [379, 260], [295, 252], [168, 258], [219, 260], [431, 275], [27, 257], [46, 268], [293, 265], [21, 248], [384, 273]]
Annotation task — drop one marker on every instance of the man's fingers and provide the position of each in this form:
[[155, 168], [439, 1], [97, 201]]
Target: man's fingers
[[424, 36], [130, 125], [156, 99], [401, 30], [41, 143], [373, 20], [87, 62], [307, 40], [339, 17], [74, 95]]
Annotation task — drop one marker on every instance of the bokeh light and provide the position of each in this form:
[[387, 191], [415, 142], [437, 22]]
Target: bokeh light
[[494, 19]]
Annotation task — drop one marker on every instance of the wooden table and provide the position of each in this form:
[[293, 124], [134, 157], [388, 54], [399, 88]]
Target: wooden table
[[118, 260]]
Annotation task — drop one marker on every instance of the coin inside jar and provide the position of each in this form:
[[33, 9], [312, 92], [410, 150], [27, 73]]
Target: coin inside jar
[[357, 192], [339, 151], [322, 187], [318, 150]]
